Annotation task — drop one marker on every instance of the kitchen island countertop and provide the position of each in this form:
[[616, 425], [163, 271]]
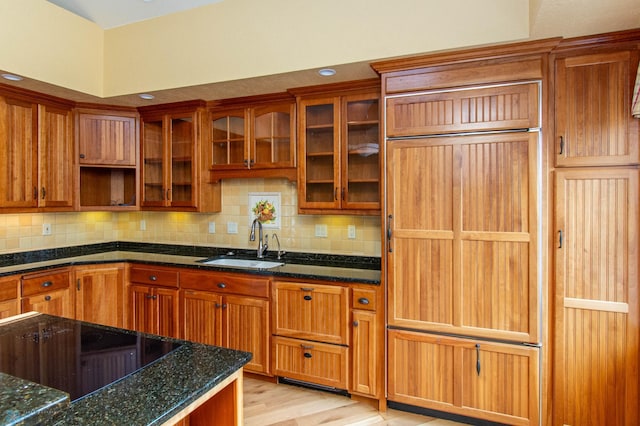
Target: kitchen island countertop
[[160, 392]]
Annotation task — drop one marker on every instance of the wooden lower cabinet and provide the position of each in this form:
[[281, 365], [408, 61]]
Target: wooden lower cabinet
[[230, 310], [236, 322], [486, 380], [596, 304], [9, 299], [314, 362], [365, 353], [153, 310], [100, 294], [48, 293]]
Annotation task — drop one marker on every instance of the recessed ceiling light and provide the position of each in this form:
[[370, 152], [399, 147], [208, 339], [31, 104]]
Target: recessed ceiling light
[[146, 96], [11, 77], [327, 72]]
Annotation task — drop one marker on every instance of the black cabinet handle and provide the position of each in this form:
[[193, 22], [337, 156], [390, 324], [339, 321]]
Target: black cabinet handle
[[307, 297], [389, 219], [222, 285], [44, 193], [47, 284], [47, 298], [561, 145], [306, 288], [560, 238], [307, 355], [81, 155], [478, 358], [78, 284], [356, 323], [363, 301], [153, 278]]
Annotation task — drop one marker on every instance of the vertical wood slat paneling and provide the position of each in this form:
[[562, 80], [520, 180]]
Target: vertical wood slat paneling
[[597, 307], [505, 107], [464, 235], [18, 153], [593, 118]]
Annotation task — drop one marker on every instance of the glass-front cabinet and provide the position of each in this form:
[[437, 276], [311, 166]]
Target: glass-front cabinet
[[169, 160], [255, 140], [340, 154]]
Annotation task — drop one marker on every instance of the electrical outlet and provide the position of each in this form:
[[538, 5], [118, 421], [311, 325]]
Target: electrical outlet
[[46, 229], [351, 232], [321, 231], [232, 227], [143, 225], [212, 227]]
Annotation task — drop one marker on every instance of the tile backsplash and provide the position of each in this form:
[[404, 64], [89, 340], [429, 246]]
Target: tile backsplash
[[21, 232]]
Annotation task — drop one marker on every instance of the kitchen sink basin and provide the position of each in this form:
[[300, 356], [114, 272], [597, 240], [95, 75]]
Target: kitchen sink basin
[[242, 263]]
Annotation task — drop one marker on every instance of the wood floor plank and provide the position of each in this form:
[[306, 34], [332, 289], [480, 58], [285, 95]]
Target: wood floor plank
[[271, 404]]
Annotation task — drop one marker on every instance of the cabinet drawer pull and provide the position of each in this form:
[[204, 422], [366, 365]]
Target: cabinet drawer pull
[[307, 297], [561, 145], [151, 296], [223, 306], [47, 284], [478, 358], [47, 298], [306, 288], [307, 355], [222, 285], [363, 301], [305, 347], [153, 278]]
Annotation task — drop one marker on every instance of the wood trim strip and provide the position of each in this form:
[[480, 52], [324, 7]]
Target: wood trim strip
[[596, 305]]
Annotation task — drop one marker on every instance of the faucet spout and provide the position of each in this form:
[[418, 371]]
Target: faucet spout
[[262, 245]]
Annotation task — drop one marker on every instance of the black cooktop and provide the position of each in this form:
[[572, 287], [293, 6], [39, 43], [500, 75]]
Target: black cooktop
[[75, 357]]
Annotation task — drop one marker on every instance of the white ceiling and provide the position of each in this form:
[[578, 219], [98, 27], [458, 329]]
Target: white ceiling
[[114, 13]]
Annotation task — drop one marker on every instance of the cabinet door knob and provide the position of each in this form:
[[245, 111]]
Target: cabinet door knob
[[153, 278], [47, 298], [307, 297], [355, 323], [363, 301], [47, 284], [222, 285], [81, 155], [307, 355]]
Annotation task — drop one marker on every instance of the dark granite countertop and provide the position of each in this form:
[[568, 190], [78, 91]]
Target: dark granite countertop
[[149, 396], [355, 269]]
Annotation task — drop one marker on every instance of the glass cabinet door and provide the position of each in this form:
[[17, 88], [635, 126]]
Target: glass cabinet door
[[361, 153], [152, 163], [272, 142], [321, 162], [182, 161], [228, 139]]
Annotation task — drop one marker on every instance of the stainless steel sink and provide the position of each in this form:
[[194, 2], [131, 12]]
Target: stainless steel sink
[[242, 263]]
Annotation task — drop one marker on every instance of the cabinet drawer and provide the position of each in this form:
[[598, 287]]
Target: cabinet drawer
[[44, 282], [8, 289], [225, 283], [513, 106], [153, 276], [363, 299], [314, 362], [312, 312]]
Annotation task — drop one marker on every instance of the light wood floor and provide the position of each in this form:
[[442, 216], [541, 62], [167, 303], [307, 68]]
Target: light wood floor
[[268, 403]]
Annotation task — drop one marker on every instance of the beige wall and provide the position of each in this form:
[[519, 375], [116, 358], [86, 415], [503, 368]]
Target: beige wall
[[47, 43], [21, 232], [236, 39]]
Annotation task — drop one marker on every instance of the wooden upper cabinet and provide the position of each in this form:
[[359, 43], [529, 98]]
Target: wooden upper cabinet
[[593, 110], [253, 140], [56, 157], [106, 139], [19, 153], [169, 162], [339, 151], [502, 107]]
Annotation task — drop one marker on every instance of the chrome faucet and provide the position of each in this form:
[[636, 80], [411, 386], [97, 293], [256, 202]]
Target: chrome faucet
[[280, 253], [262, 245]]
